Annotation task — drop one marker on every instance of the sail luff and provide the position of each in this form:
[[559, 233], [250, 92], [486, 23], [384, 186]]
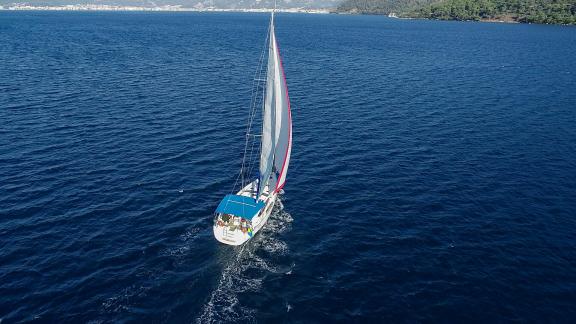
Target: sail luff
[[277, 123], [268, 123]]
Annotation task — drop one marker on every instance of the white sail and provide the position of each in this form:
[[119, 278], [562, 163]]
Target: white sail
[[277, 122], [283, 131], [268, 115]]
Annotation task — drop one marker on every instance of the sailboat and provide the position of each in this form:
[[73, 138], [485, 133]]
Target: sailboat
[[240, 216]]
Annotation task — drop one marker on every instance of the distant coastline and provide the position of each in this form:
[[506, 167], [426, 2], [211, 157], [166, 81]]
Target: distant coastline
[[167, 8], [501, 20], [558, 12]]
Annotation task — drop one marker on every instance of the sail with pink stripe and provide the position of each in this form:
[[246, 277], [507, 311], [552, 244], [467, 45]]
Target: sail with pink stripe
[[277, 122], [283, 132]]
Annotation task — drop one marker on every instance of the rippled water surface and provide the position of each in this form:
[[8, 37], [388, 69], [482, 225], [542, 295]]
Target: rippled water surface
[[433, 174]]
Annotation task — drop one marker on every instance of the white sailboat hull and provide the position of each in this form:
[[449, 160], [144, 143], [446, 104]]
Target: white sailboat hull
[[233, 235]]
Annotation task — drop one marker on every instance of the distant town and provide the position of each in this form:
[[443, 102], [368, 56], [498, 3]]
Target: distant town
[[94, 7]]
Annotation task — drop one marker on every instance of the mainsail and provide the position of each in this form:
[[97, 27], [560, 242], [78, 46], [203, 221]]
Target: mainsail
[[277, 122]]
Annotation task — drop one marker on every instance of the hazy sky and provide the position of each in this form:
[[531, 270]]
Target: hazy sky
[[189, 3]]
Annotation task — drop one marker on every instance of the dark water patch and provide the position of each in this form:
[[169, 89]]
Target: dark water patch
[[432, 176]]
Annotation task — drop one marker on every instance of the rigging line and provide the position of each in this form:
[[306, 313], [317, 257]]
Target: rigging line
[[259, 102], [248, 154], [255, 150], [250, 158], [254, 91], [259, 72], [253, 161], [254, 101], [248, 129], [253, 158], [251, 114], [252, 168], [263, 90], [254, 94]]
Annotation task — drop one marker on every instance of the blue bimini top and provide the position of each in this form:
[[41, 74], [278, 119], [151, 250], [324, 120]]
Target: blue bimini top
[[240, 206]]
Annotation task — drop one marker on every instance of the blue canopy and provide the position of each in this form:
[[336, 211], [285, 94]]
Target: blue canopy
[[240, 206]]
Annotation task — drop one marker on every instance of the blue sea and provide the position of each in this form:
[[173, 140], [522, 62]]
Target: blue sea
[[433, 171]]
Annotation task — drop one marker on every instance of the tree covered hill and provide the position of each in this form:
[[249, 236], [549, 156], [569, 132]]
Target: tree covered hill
[[381, 7], [528, 11]]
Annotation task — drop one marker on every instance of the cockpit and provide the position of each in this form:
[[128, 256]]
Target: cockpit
[[233, 223]]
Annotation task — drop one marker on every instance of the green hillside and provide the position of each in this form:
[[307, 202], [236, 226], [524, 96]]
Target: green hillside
[[381, 7], [526, 11]]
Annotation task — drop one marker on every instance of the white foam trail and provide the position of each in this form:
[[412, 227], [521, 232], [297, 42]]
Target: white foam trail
[[224, 305], [275, 246], [122, 302], [188, 238], [190, 234]]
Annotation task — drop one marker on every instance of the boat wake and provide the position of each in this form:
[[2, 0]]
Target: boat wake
[[244, 272], [179, 253]]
